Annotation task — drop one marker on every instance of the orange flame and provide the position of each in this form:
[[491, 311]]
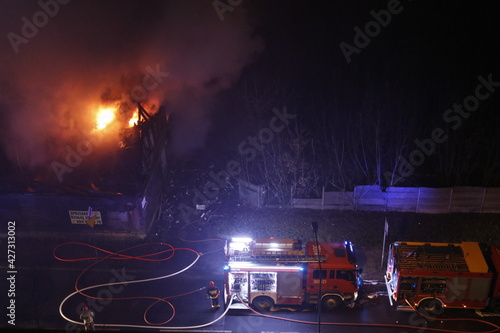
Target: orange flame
[[107, 114], [104, 117], [134, 119]]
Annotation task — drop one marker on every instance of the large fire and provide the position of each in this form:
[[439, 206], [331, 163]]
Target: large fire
[[134, 120], [104, 117]]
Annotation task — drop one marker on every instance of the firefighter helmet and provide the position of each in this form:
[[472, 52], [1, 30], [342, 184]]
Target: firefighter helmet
[[211, 284]]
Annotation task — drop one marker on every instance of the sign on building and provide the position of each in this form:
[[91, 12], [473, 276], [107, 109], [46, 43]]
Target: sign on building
[[81, 216]]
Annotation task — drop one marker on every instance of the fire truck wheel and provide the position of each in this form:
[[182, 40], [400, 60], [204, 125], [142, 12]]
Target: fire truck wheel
[[431, 307], [331, 302], [263, 303]]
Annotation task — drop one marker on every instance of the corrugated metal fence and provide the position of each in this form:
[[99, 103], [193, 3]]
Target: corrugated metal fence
[[409, 199]]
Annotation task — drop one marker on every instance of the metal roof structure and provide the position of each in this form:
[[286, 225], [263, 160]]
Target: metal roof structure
[[454, 257]]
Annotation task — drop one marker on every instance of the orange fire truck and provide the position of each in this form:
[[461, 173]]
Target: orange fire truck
[[435, 276], [268, 272]]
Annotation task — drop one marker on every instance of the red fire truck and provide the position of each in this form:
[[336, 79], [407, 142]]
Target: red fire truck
[[435, 276], [268, 272]]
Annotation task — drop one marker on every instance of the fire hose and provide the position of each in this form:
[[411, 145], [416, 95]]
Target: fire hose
[[150, 257], [120, 256], [497, 328]]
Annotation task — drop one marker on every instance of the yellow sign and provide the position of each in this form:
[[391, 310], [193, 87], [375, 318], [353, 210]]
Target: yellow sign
[[81, 217], [91, 221]]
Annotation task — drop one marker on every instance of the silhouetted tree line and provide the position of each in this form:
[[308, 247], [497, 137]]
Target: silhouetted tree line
[[386, 118], [386, 135]]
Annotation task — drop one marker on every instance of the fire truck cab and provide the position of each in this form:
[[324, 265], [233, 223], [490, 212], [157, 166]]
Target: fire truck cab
[[268, 272], [434, 276]]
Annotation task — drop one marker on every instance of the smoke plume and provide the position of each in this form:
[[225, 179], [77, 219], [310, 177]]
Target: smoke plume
[[61, 60]]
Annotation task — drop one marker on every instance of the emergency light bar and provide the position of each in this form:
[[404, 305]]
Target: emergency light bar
[[240, 243], [249, 265]]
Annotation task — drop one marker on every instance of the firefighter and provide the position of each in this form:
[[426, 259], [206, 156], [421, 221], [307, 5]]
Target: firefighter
[[213, 293], [87, 316]]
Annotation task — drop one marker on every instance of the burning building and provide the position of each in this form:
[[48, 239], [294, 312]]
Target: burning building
[[117, 190], [80, 98]]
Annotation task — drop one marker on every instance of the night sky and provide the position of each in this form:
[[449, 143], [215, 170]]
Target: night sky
[[355, 72]]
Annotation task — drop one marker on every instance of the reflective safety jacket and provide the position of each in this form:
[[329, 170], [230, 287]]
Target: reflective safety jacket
[[87, 316], [213, 292]]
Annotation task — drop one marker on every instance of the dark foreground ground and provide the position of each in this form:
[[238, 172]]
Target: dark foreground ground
[[42, 282]]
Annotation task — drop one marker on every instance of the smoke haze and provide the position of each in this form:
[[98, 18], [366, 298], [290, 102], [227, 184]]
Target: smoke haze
[[94, 53]]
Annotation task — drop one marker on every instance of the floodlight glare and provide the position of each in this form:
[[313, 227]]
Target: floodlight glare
[[241, 239]]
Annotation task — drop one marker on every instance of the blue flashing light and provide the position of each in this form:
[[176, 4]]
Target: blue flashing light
[[226, 268], [301, 269], [349, 244]]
